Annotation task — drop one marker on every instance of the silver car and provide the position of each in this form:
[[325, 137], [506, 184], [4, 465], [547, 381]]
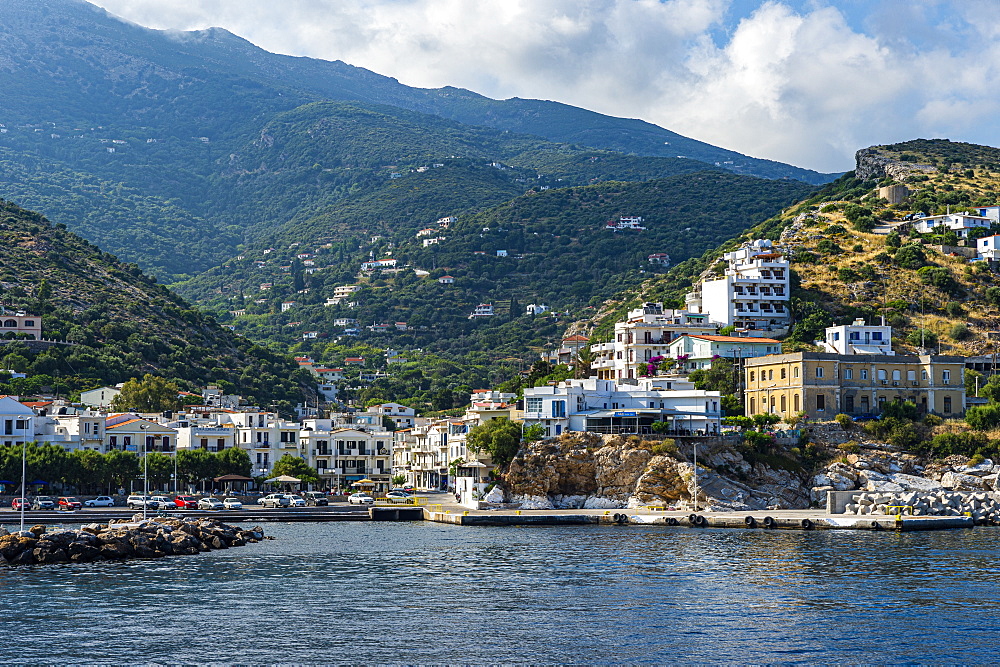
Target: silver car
[[274, 500]]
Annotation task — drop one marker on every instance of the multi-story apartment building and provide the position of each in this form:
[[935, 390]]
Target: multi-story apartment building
[[823, 384], [20, 323], [693, 351], [607, 406], [752, 294], [646, 333]]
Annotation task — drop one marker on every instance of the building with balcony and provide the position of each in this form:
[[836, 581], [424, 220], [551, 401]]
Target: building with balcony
[[753, 293], [697, 351], [20, 324], [858, 338], [647, 333], [823, 384], [608, 406], [960, 223]]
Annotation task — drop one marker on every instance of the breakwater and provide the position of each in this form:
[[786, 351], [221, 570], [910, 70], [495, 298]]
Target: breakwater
[[153, 538], [982, 508]]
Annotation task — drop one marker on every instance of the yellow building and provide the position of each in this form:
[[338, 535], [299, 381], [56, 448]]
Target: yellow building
[[823, 384]]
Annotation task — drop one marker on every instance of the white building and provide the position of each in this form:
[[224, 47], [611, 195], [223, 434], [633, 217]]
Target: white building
[[697, 351], [608, 406], [646, 333], [17, 422], [482, 310], [753, 293], [960, 223], [100, 397], [988, 247], [536, 308], [858, 338]]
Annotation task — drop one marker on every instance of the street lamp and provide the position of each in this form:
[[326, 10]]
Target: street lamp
[[145, 471], [24, 478]]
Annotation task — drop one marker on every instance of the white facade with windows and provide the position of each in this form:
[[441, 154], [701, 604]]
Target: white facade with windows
[[960, 223], [647, 333], [753, 293], [607, 406], [858, 338]]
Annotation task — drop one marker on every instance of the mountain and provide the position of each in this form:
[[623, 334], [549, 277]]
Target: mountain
[[931, 295], [145, 141], [117, 323], [550, 247]]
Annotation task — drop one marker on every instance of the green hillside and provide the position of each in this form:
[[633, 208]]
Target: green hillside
[[558, 253], [842, 270], [117, 323]]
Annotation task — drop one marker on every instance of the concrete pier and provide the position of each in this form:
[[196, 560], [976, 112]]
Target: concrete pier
[[771, 520]]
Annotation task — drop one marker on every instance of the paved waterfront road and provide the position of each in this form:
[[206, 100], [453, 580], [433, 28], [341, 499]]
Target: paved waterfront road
[[255, 513]]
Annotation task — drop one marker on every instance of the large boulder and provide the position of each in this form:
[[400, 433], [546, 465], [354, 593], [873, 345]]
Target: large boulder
[[957, 481], [914, 483]]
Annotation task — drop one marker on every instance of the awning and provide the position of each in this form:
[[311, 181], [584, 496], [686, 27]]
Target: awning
[[284, 479], [864, 349]]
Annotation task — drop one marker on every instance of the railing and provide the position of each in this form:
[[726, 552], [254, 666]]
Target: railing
[[412, 501]]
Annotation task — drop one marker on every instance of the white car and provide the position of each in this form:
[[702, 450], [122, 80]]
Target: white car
[[138, 502], [274, 500], [163, 503], [210, 504], [100, 501], [232, 504], [360, 499], [295, 501]]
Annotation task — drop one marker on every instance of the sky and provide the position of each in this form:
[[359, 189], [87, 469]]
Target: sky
[[806, 82]]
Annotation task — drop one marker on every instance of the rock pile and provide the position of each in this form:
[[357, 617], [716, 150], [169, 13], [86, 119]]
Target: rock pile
[[899, 473], [983, 507], [154, 538]]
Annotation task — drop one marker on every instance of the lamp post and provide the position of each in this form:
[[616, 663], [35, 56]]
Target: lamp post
[[145, 471], [24, 478]]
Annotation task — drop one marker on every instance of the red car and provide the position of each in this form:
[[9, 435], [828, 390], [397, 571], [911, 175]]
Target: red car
[[17, 502], [69, 503], [186, 502]]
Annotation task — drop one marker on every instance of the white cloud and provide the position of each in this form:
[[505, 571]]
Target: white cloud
[[801, 81]]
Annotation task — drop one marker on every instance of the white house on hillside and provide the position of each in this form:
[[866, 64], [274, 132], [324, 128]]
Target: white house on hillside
[[858, 338], [960, 223], [699, 350]]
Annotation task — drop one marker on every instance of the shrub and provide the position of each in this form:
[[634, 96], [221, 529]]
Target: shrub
[[983, 417], [835, 229], [936, 276], [893, 240], [850, 447], [668, 447], [959, 332], [899, 409], [847, 275], [858, 247], [829, 208], [758, 442], [828, 247], [865, 223], [845, 421], [929, 338], [911, 256], [954, 309]]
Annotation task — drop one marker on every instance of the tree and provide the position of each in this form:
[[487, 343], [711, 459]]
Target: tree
[[718, 377], [234, 461], [150, 394], [195, 465], [122, 467], [499, 437], [911, 256], [295, 467], [534, 432]]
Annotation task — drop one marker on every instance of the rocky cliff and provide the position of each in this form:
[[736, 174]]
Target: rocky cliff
[[872, 164], [604, 471]]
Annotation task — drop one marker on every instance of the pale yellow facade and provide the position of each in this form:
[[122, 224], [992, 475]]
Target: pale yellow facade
[[822, 385]]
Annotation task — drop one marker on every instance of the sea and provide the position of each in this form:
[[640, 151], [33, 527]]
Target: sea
[[417, 593]]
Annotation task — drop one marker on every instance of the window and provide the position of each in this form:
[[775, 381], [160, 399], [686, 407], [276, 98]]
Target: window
[[820, 402], [819, 371], [533, 405], [864, 373], [753, 406], [854, 335], [881, 375], [752, 375], [558, 409], [896, 376], [848, 373], [849, 404], [876, 335], [923, 375], [795, 402], [770, 374], [947, 404], [784, 374], [946, 379], [835, 336], [783, 408], [795, 372], [911, 375], [772, 404]]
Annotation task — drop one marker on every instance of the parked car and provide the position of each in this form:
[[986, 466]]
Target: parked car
[[186, 502], [43, 503], [397, 494], [162, 502], [295, 501], [69, 503], [232, 504], [100, 501], [409, 489], [18, 502], [316, 498], [138, 502], [360, 498], [210, 504], [274, 500]]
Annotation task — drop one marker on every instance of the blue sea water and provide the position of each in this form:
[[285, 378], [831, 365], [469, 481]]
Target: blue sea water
[[432, 593]]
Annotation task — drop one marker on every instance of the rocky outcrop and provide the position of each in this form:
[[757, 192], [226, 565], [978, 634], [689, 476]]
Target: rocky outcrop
[[587, 470], [872, 165], [153, 538]]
